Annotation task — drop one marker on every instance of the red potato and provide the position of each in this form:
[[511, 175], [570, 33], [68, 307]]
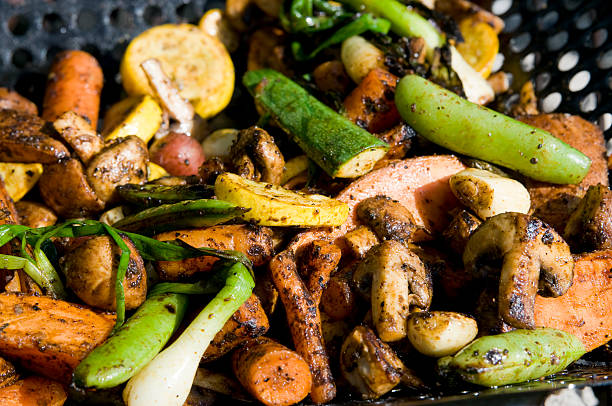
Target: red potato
[[74, 84], [179, 154]]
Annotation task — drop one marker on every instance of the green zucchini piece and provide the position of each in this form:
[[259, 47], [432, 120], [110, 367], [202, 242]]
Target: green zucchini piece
[[340, 147]]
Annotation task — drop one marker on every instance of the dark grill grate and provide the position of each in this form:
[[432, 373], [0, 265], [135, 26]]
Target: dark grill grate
[[563, 45]]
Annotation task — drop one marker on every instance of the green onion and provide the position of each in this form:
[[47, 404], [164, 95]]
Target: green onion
[[124, 261]]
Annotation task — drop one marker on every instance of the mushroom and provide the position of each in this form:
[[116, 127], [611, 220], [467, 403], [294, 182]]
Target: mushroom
[[388, 219], [535, 259], [255, 156], [167, 93], [589, 228], [369, 365], [91, 270], [400, 284]]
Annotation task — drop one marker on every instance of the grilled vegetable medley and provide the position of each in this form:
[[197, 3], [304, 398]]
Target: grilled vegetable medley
[[297, 200]]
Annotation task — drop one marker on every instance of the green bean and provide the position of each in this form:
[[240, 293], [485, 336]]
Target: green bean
[[155, 195], [135, 344], [513, 357], [464, 127]]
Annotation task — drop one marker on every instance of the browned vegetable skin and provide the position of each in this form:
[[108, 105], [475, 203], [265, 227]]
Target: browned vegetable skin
[[330, 76], [255, 156], [79, 134], [64, 188], [371, 104], [74, 84], [8, 212], [338, 300], [459, 230], [304, 323], [368, 364], [122, 161], [256, 242], [48, 336], [23, 139], [267, 49], [399, 140], [360, 240], [554, 203], [459, 9], [33, 391], [249, 321], [271, 372], [316, 263], [534, 258], [34, 214], [585, 310], [91, 271], [389, 219], [8, 374], [589, 227], [11, 100]]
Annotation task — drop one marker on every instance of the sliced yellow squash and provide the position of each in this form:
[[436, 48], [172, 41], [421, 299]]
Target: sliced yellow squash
[[294, 167], [197, 63], [19, 179], [137, 115], [480, 46], [271, 205], [155, 172]]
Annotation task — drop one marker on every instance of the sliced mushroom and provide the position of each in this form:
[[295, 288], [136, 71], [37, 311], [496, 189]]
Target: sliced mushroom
[[91, 270], [534, 259], [388, 219], [64, 187], [360, 240], [122, 161], [589, 227], [368, 364], [256, 156], [400, 284], [33, 214], [459, 230], [167, 93], [437, 334], [79, 134]]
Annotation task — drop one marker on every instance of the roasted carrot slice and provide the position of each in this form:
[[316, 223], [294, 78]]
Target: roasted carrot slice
[[33, 391], [49, 336]]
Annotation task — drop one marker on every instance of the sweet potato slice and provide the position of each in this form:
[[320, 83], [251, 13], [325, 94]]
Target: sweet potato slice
[[586, 309], [33, 391], [49, 336]]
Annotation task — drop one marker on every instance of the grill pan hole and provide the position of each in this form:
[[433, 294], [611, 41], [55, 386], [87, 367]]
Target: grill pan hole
[[500, 7], [568, 60], [512, 22], [519, 43], [529, 61], [87, 20], [536, 5], [572, 4], [52, 51], [551, 102], [605, 121], [187, 13], [604, 61], [579, 81], [548, 20], [21, 58], [586, 19], [542, 81], [18, 25], [589, 102], [597, 38], [557, 41], [121, 18], [54, 23], [152, 15]]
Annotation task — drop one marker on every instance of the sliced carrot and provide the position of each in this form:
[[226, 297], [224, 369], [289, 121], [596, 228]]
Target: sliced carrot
[[74, 84], [585, 310], [33, 391], [49, 336], [272, 373], [371, 105]]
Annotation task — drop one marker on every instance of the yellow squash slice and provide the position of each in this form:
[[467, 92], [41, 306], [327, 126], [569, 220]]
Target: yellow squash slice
[[271, 205], [19, 178], [480, 46], [196, 62], [137, 115], [155, 172]]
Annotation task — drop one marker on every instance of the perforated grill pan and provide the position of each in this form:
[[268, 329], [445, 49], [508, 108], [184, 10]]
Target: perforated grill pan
[[564, 46]]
